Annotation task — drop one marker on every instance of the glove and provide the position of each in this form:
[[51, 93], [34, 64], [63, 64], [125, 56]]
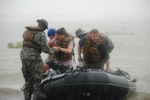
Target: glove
[[56, 49]]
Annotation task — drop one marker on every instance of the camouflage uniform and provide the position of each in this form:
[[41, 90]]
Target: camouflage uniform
[[34, 42]]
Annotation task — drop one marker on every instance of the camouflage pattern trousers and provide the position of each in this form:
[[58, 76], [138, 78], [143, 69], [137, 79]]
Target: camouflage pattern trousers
[[32, 73]]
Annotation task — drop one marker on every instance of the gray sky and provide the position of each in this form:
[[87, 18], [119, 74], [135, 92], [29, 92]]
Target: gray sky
[[112, 16], [74, 9]]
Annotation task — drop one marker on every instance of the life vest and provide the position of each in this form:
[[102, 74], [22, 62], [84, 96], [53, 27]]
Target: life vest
[[28, 37], [63, 56], [107, 41], [91, 52]]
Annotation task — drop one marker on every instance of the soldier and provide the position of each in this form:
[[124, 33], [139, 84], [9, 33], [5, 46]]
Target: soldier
[[34, 42]]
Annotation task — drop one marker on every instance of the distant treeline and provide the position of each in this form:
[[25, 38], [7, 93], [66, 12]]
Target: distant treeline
[[14, 45]]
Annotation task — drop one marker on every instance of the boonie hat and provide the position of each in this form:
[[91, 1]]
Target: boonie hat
[[43, 22], [79, 32], [51, 32]]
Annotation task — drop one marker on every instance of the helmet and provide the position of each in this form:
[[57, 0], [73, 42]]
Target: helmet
[[79, 31], [43, 22], [51, 32]]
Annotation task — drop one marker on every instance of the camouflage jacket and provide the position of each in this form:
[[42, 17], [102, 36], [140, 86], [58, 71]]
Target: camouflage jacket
[[40, 40]]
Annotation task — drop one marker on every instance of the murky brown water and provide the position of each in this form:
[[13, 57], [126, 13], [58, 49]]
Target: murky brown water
[[131, 54]]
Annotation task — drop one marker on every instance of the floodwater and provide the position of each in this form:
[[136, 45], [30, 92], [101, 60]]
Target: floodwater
[[131, 54]]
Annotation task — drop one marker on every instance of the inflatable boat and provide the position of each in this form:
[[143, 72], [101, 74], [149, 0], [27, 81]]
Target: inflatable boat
[[89, 84]]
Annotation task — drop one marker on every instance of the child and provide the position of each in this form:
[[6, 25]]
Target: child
[[46, 68]]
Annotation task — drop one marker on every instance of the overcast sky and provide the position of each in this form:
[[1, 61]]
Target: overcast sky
[[74, 9], [112, 16]]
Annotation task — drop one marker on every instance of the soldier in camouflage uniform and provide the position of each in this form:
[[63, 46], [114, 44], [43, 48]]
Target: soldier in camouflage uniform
[[34, 42]]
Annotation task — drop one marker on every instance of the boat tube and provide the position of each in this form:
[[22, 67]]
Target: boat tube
[[89, 84]]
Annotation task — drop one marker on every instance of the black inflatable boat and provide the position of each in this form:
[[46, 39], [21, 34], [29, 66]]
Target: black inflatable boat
[[89, 84]]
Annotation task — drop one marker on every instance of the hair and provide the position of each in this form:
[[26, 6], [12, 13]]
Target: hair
[[95, 31], [61, 31]]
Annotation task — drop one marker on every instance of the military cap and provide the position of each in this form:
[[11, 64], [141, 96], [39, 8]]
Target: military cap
[[43, 22]]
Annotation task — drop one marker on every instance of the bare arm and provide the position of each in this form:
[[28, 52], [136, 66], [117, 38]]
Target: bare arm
[[66, 50], [79, 53], [108, 64]]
